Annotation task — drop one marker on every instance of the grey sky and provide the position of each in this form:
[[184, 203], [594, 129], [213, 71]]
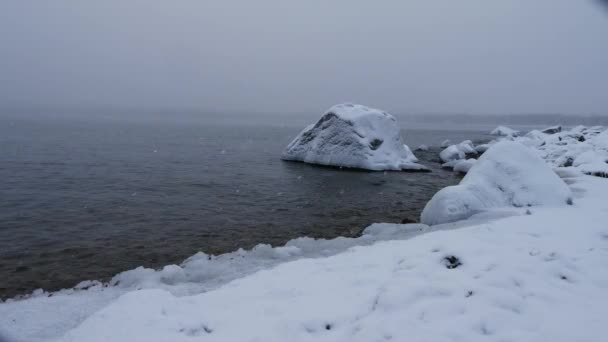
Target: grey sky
[[473, 56]]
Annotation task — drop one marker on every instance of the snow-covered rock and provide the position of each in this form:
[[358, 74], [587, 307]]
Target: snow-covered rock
[[451, 153], [354, 136], [422, 148], [457, 152], [535, 134], [600, 140], [467, 147], [482, 148], [445, 143], [552, 130], [504, 131], [463, 166], [508, 174]]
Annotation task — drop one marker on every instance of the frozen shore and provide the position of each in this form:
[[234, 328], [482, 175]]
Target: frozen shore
[[520, 274]]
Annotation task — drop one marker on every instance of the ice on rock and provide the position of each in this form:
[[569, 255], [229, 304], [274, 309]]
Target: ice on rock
[[451, 153], [552, 130], [601, 140], [482, 148], [353, 136], [457, 152], [580, 147], [592, 163], [409, 154], [504, 131], [446, 143], [463, 166], [508, 175], [422, 148], [467, 147]]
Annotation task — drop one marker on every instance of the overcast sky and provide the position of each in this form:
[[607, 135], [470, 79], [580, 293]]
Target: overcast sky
[[475, 56]]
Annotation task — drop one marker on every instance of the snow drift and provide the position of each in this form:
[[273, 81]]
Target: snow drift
[[353, 136], [507, 174]]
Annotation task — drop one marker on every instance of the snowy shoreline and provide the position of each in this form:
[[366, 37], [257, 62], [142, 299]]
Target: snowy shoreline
[[368, 289]]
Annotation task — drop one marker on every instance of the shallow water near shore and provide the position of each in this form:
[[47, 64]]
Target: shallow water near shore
[[86, 201]]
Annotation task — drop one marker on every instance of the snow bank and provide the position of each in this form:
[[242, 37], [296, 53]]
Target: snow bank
[[537, 277], [504, 131], [354, 136], [507, 174]]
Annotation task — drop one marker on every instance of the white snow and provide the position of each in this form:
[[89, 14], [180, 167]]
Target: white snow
[[457, 152], [581, 147], [463, 166], [355, 136], [451, 153], [482, 148], [504, 131], [536, 277], [409, 155], [507, 174]]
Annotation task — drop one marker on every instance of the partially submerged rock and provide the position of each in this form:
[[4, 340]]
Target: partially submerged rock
[[508, 174], [353, 136], [458, 152], [504, 131], [451, 153], [552, 130]]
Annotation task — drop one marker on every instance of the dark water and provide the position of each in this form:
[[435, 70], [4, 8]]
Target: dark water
[[86, 200]]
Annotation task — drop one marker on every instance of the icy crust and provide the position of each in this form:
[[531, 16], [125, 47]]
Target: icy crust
[[353, 136], [508, 174], [529, 278]]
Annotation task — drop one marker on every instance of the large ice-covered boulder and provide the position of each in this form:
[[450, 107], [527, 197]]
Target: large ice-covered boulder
[[508, 174], [354, 136]]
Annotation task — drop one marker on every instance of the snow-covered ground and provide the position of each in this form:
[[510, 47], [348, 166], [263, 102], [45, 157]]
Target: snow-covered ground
[[506, 274]]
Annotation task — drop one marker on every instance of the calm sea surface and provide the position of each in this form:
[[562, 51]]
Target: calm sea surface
[[86, 200]]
